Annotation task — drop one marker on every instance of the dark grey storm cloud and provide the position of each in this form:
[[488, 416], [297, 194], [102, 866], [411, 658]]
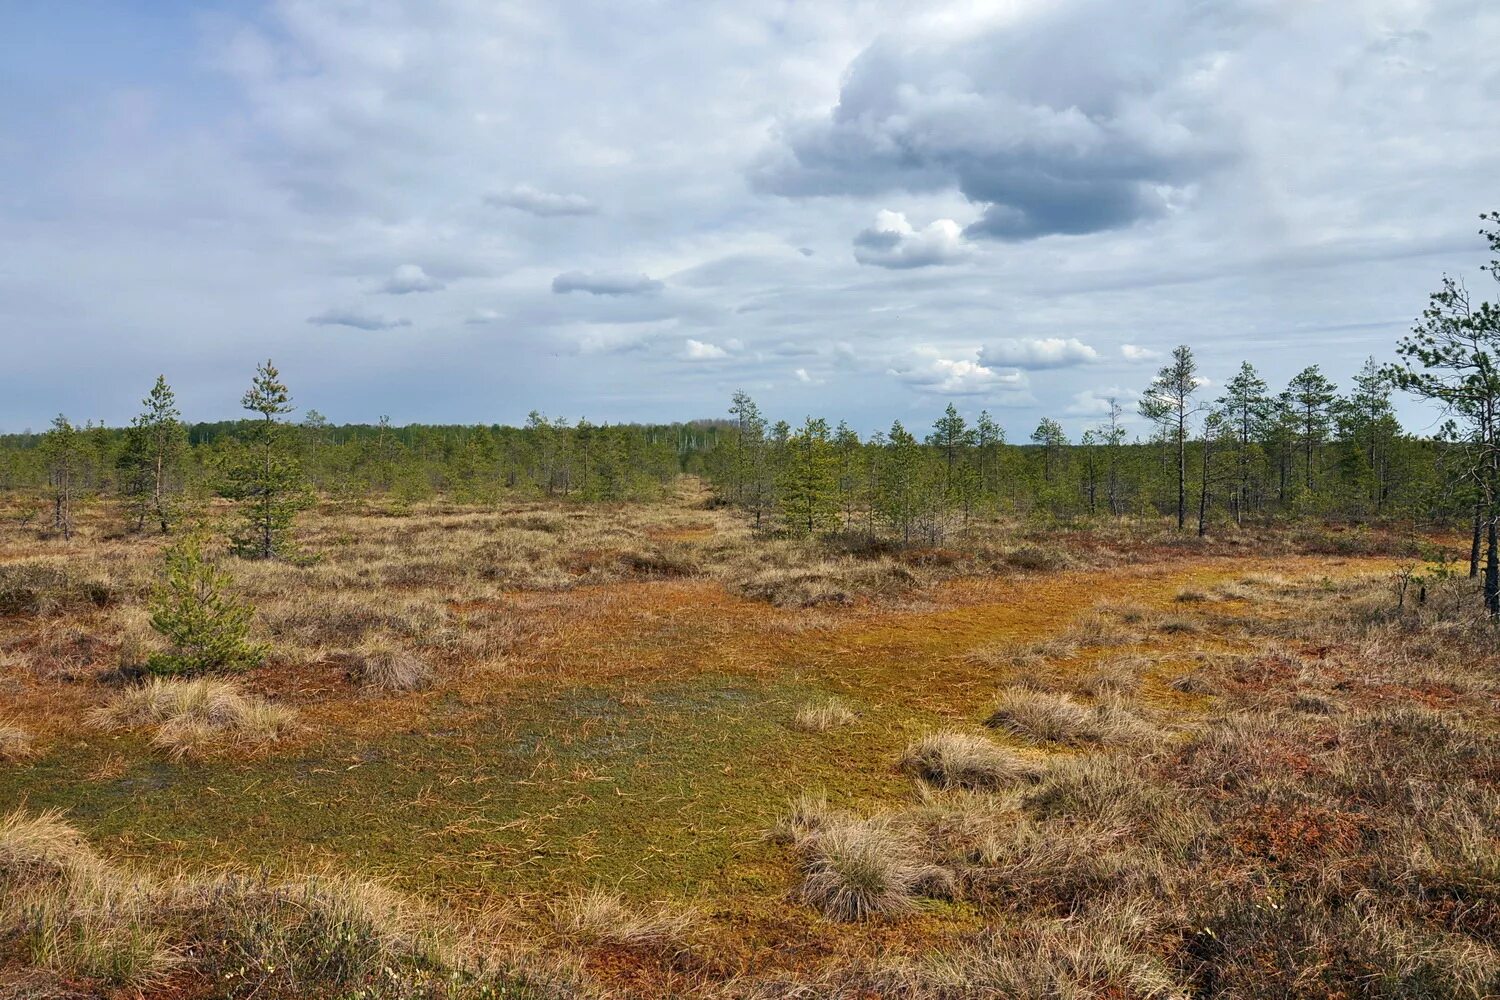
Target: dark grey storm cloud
[[605, 283], [1077, 117]]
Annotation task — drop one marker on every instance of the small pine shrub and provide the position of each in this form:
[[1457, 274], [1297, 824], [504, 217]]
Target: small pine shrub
[[209, 631]]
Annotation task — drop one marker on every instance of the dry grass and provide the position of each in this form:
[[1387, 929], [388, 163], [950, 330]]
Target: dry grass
[[953, 759], [1042, 717], [602, 917], [859, 870], [100, 928], [1322, 826], [825, 582], [198, 717], [382, 665], [1119, 675], [16, 744], [819, 717], [40, 848]]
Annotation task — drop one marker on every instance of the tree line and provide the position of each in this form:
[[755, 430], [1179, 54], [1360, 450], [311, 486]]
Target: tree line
[[1249, 454], [1246, 454], [271, 467]]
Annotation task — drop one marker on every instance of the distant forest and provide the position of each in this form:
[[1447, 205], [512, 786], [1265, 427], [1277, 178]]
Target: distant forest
[[1249, 454]]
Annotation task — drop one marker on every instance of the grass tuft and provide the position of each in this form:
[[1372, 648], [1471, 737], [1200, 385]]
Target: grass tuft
[[1043, 717], [16, 744], [953, 759], [382, 665], [600, 917], [198, 717], [860, 870], [819, 717]]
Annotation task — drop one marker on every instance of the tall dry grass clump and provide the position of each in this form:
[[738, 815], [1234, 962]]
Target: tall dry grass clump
[[602, 917], [16, 744], [39, 848], [953, 759], [1043, 717], [819, 717], [859, 870], [198, 717], [381, 665]]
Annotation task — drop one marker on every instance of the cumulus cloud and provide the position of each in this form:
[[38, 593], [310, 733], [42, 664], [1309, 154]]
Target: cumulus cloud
[[1095, 402], [698, 350], [1074, 117], [1038, 352], [893, 242], [410, 278], [605, 283], [802, 375], [1134, 352], [546, 204], [928, 371], [357, 318]]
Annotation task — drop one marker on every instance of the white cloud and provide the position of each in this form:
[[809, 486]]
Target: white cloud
[[1133, 352], [892, 242], [357, 318], [697, 350], [543, 203], [482, 317], [605, 283], [410, 278], [801, 375], [1038, 352], [1095, 402], [925, 370], [332, 142]]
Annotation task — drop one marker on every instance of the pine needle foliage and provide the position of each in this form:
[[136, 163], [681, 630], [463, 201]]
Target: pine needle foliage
[[265, 477], [207, 628]]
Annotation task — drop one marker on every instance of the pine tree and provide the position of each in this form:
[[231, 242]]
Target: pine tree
[[1312, 394], [808, 489], [1112, 433], [207, 629], [749, 460], [1452, 357], [1052, 439], [1368, 422], [1244, 405], [951, 436], [62, 450], [154, 444], [899, 501], [847, 448], [1169, 402], [265, 478], [988, 437]]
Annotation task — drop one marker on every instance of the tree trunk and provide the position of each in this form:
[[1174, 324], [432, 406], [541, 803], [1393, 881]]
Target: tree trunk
[[1203, 493], [1492, 570], [1474, 545], [1181, 469]]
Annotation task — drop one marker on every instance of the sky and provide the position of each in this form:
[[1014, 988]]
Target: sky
[[464, 210]]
